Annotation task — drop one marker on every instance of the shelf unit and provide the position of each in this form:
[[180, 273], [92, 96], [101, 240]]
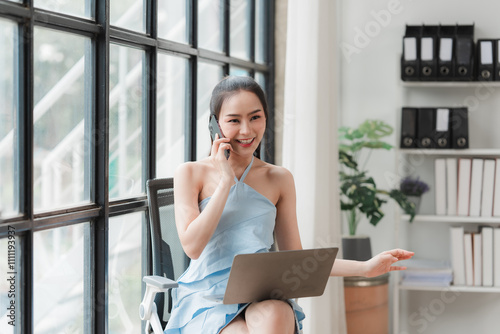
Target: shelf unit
[[428, 231]]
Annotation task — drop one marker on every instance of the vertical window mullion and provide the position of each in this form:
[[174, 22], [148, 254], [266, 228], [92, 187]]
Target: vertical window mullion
[[149, 116], [226, 16], [226, 32], [149, 122], [101, 186], [27, 291], [269, 45], [191, 116], [25, 149], [252, 32], [150, 86], [193, 22]]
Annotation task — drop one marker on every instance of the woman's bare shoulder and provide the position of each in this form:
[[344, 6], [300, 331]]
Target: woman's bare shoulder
[[276, 173], [192, 170]]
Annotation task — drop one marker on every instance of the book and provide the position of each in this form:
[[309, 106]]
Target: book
[[476, 185], [496, 256], [488, 188], [464, 174], [477, 250], [457, 254], [424, 272], [469, 268], [451, 186], [496, 196], [440, 186], [487, 235]]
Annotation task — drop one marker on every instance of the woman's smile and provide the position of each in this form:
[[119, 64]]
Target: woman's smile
[[245, 142]]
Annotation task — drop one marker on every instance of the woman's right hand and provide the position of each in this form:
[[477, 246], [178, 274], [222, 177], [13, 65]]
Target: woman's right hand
[[219, 160]]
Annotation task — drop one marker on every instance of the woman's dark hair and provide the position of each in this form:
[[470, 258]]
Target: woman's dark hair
[[231, 85]]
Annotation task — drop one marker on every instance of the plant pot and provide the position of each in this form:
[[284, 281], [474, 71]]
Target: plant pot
[[415, 200], [367, 304], [356, 248]]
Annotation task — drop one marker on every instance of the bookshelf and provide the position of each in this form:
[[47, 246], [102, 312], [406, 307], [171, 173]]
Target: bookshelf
[[428, 235]]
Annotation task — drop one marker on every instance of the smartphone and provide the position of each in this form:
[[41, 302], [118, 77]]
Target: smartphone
[[214, 128]]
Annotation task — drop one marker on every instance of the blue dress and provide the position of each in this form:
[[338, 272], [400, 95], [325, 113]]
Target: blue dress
[[246, 226]]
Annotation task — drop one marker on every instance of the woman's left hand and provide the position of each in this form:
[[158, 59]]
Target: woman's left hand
[[383, 262]]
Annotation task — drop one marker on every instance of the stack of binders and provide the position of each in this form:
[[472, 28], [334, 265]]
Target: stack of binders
[[438, 53], [475, 256], [434, 128]]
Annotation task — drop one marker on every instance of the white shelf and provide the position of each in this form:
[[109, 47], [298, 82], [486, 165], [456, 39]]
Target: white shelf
[[450, 84], [428, 234], [453, 219], [480, 289], [483, 152]]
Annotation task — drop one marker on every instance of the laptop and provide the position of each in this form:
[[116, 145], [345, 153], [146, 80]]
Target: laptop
[[278, 275]]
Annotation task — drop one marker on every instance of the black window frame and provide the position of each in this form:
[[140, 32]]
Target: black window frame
[[102, 208]]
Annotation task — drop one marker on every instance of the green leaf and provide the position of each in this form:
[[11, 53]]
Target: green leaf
[[407, 206], [347, 160], [353, 134], [376, 129], [378, 144]]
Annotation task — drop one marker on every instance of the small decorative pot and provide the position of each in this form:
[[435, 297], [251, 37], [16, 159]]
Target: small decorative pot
[[415, 200]]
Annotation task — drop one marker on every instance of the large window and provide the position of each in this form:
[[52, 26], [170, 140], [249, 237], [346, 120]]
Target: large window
[[97, 97]]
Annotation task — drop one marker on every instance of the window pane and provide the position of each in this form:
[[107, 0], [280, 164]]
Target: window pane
[[62, 75], [237, 71], [172, 20], [10, 291], [125, 273], [208, 76], [72, 7], [58, 274], [128, 14], [240, 29], [260, 31], [172, 109], [9, 185], [126, 108], [211, 24], [261, 80]]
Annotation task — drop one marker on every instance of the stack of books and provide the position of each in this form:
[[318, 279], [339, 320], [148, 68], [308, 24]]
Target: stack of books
[[422, 272]]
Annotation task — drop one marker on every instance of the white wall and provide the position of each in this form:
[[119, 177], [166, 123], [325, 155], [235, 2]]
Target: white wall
[[370, 88], [280, 35]]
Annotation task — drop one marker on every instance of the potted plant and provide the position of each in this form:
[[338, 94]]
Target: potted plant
[[359, 195], [413, 188]]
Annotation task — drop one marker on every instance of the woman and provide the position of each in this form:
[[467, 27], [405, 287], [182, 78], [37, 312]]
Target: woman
[[225, 207]]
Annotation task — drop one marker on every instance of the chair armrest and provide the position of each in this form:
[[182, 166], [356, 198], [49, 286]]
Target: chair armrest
[[160, 282], [147, 309]]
